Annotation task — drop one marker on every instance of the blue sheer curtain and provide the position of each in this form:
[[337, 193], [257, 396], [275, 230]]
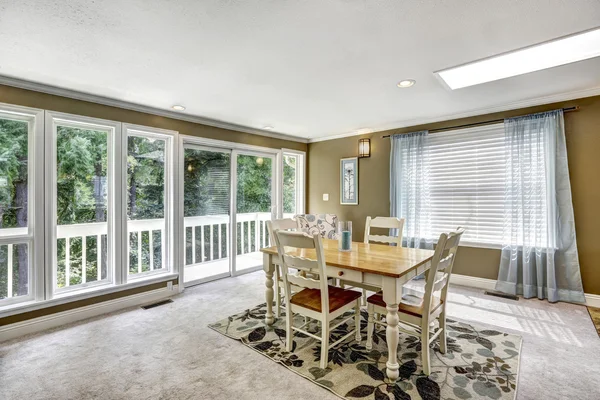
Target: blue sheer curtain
[[539, 252], [410, 188]]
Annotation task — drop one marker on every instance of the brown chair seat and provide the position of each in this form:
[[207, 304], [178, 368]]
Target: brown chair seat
[[311, 298], [417, 311]]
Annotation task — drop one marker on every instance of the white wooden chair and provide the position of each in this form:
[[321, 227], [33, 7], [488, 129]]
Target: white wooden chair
[[420, 313], [317, 300], [382, 223], [285, 224]]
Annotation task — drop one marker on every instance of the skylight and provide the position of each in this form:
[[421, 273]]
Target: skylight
[[562, 51]]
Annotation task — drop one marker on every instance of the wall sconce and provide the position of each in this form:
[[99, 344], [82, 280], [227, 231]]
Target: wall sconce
[[364, 148]]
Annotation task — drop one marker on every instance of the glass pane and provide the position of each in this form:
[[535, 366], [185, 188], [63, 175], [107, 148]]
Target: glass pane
[[206, 202], [14, 270], [254, 183], [81, 205], [289, 184], [13, 174], [145, 203]]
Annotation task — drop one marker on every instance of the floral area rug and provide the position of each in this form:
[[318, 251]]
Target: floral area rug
[[480, 363]]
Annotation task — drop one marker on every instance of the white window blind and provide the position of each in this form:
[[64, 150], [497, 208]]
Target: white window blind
[[467, 177]]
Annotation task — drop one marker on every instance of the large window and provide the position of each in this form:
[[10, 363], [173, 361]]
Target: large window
[[81, 184], [148, 193], [87, 206], [97, 195], [466, 183], [19, 132], [293, 183]]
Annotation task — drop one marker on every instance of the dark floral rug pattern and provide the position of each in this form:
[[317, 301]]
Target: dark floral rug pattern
[[480, 363]]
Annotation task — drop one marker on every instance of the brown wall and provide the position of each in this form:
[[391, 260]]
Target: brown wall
[[22, 97], [583, 147]]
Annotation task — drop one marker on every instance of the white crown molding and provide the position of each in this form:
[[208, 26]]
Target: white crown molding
[[39, 87], [480, 111], [57, 91], [19, 329]]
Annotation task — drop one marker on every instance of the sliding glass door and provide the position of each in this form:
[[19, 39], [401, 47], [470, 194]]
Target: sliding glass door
[[254, 205], [206, 208]]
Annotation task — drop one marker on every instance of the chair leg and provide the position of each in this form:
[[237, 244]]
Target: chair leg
[[324, 343], [442, 336], [364, 297], [370, 326], [289, 333], [357, 321], [277, 293], [425, 349]]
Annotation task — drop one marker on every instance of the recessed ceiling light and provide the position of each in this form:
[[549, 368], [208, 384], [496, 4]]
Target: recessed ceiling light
[[269, 127], [406, 83], [542, 56], [178, 107]]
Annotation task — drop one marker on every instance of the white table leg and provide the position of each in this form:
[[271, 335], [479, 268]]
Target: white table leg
[[269, 269], [390, 296]]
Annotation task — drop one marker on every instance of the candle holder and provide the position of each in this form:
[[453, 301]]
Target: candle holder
[[344, 234]]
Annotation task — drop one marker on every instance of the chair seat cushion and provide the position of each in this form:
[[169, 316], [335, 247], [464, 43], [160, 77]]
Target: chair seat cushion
[[311, 298], [405, 307]]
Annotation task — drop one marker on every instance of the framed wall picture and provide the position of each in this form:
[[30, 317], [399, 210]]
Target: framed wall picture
[[349, 181]]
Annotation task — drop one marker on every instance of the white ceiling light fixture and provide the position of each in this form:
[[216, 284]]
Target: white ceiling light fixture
[[406, 83], [268, 127], [178, 107], [558, 52]]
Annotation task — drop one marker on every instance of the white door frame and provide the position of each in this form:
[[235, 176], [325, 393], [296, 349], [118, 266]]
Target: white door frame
[[235, 149], [275, 204], [227, 274]]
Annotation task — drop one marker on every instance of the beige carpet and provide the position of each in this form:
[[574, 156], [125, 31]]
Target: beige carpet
[[481, 363], [169, 352], [595, 316]]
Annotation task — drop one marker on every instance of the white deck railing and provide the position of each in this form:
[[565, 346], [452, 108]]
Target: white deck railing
[[99, 230], [252, 237], [252, 230]]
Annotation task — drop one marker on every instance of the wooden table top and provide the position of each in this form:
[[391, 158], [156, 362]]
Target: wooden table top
[[377, 259]]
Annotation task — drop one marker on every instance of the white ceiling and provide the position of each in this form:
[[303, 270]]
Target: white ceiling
[[311, 69]]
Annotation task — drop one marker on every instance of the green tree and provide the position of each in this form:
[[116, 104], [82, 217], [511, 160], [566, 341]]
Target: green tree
[[13, 199], [289, 184]]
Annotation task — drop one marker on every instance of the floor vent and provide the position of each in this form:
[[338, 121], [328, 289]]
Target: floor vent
[[503, 295], [160, 303]]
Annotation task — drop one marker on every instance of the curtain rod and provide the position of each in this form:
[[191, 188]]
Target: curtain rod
[[493, 121]]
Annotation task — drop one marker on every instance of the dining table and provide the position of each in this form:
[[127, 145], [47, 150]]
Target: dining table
[[378, 265]]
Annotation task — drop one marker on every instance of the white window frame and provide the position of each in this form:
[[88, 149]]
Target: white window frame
[[481, 131], [300, 179], [172, 212], [33, 234], [113, 129]]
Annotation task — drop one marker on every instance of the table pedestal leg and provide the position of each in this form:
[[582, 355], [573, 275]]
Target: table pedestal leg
[[392, 290], [391, 335], [269, 268]]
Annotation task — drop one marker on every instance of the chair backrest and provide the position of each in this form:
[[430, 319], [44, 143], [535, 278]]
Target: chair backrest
[[323, 224], [284, 224], [310, 258], [385, 223], [438, 277]]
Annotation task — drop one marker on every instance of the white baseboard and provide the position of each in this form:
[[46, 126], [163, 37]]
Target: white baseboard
[[18, 329], [592, 300], [473, 281]]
